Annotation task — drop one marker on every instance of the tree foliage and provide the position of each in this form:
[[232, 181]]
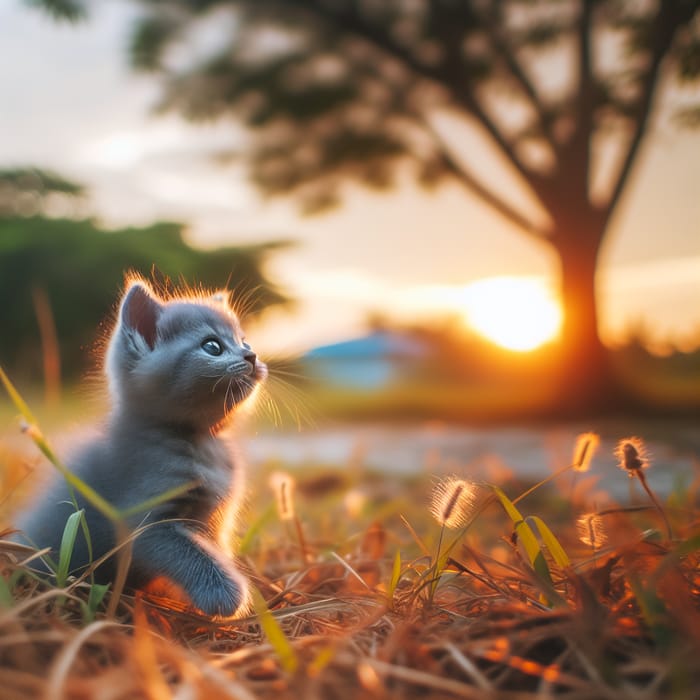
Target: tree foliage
[[80, 268], [70, 10], [31, 191], [339, 90], [350, 89]]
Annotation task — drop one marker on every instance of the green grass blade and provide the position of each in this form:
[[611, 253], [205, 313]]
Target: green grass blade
[[6, 597], [395, 574], [157, 500], [523, 530], [654, 613], [85, 490], [94, 498], [15, 576], [86, 533], [415, 536], [441, 563], [65, 553], [529, 541], [553, 545], [284, 650], [95, 597], [17, 400], [254, 530]]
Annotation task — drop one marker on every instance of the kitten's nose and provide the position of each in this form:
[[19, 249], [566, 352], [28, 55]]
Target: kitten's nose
[[250, 356]]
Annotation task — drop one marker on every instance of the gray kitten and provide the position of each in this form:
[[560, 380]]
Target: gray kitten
[[177, 370]]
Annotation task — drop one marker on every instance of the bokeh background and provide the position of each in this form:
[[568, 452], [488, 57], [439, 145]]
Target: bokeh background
[[419, 202]]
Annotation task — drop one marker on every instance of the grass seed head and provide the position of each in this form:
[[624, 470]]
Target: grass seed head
[[632, 455], [453, 501], [591, 530], [586, 445], [282, 485]]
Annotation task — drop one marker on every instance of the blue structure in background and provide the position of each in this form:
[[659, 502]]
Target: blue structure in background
[[369, 363]]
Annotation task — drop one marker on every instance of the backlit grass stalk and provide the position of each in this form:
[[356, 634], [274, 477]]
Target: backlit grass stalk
[[633, 459], [453, 505], [592, 531], [274, 633], [283, 486], [31, 428], [586, 445]]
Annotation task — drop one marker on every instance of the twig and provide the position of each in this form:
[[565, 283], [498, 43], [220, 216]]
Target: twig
[[62, 665], [643, 481], [469, 667]]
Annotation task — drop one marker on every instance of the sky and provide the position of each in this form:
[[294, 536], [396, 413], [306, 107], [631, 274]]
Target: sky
[[70, 103]]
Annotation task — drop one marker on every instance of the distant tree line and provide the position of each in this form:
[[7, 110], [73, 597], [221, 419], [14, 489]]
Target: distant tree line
[[32, 191], [60, 278], [345, 91]]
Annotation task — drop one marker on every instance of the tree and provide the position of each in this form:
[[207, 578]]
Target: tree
[[72, 271], [335, 90], [31, 191]]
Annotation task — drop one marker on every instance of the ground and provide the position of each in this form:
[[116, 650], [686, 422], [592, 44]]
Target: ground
[[362, 592]]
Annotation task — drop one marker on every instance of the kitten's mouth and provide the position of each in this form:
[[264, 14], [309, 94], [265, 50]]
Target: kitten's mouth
[[260, 371], [238, 390], [257, 370], [241, 369], [243, 378]]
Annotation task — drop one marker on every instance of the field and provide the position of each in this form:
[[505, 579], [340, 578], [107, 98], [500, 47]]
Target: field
[[409, 587]]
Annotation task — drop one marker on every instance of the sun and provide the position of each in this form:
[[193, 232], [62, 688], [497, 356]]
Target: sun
[[517, 313]]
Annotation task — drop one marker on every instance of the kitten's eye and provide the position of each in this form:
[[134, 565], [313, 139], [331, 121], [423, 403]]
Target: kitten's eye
[[212, 346]]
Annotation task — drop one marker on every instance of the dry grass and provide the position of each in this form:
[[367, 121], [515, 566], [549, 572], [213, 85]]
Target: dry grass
[[621, 620]]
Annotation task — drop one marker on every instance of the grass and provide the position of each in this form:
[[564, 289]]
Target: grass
[[483, 403], [365, 587]]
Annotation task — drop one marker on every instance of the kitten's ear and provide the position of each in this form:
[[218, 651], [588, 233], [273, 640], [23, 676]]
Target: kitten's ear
[[222, 297], [140, 312]]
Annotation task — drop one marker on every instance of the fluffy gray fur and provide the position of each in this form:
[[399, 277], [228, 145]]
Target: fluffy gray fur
[[172, 391]]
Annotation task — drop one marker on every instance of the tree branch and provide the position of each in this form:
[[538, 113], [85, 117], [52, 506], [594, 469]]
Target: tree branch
[[668, 20], [496, 203], [586, 95], [484, 193], [350, 20], [494, 21], [575, 154]]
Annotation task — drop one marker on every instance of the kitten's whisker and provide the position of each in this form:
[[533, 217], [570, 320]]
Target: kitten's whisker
[[276, 371], [274, 411], [267, 402], [217, 382], [244, 299], [296, 403], [289, 389]]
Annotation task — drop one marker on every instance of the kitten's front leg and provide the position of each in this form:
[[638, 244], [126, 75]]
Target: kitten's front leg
[[194, 563]]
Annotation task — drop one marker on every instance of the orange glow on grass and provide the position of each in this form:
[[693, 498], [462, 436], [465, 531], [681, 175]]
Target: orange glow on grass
[[517, 313]]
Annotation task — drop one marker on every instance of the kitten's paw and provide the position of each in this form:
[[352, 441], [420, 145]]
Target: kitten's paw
[[221, 597]]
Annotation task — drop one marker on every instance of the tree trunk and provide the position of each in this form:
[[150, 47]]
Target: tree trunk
[[586, 384]]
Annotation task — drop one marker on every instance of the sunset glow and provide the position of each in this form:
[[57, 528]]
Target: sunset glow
[[517, 313]]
